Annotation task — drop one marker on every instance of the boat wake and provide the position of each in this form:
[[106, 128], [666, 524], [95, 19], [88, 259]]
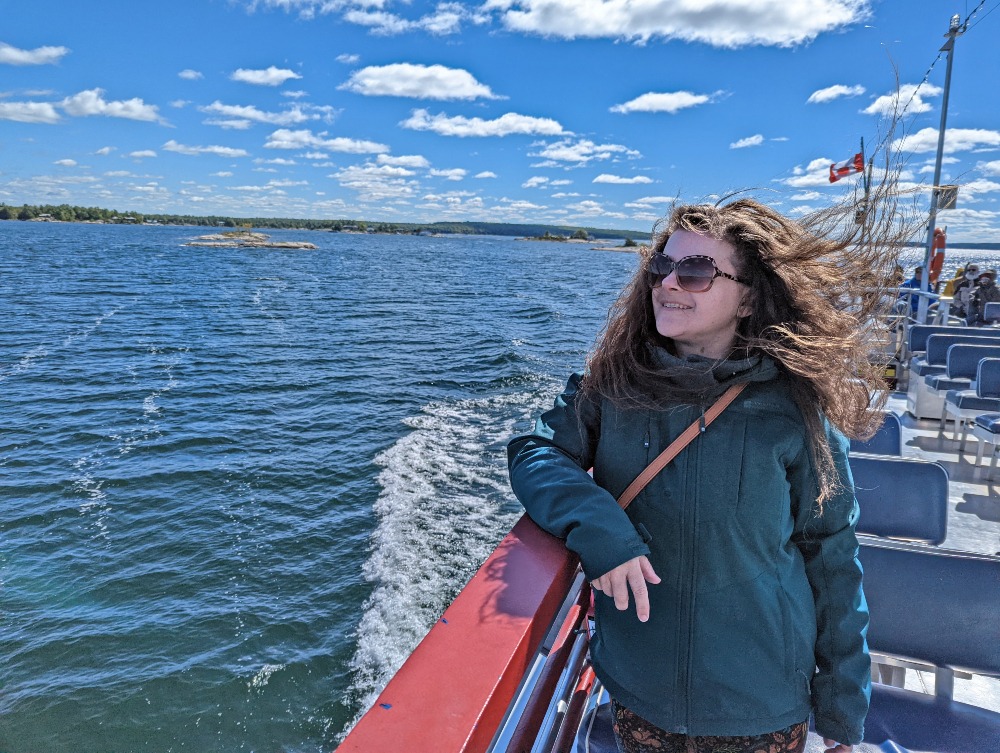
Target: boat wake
[[444, 505]]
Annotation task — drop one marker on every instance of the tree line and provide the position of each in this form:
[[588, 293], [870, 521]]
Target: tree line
[[69, 213]]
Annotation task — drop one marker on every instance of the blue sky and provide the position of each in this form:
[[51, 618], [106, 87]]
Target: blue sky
[[579, 112]]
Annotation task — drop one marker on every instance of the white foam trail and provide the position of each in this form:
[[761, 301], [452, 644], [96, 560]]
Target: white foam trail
[[445, 504]]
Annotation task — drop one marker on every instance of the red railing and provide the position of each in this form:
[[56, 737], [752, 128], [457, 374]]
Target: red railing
[[452, 693]]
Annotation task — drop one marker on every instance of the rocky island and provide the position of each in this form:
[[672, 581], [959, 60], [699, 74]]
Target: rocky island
[[245, 239]]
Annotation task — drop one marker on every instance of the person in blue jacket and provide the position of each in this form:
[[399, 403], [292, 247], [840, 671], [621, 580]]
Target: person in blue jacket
[[728, 596]]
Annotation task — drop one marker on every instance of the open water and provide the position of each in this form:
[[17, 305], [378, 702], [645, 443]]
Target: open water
[[238, 486]]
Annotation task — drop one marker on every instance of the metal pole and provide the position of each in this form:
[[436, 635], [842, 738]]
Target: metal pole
[[955, 29]]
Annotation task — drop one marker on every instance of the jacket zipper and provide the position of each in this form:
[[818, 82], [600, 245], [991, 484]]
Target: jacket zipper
[[693, 576]]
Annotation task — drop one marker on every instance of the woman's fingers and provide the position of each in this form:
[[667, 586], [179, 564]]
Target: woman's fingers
[[631, 575]]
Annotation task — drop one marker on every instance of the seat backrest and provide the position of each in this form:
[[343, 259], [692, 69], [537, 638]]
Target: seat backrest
[[963, 359], [901, 498], [938, 343], [888, 440], [916, 338], [932, 605], [991, 312], [988, 377]]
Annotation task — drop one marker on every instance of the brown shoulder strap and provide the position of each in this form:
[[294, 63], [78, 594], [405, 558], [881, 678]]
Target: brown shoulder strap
[[679, 444]]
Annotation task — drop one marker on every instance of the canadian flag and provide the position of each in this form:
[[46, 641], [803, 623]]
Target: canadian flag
[[855, 164]]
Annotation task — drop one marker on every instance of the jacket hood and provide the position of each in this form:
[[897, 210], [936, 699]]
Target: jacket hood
[[699, 379]]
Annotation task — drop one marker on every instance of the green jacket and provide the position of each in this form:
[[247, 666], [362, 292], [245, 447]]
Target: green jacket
[[759, 618]]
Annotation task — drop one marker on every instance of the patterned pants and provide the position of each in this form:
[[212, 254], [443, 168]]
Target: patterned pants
[[635, 735]]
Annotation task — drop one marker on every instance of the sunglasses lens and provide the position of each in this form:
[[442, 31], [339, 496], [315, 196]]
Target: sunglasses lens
[[695, 274]]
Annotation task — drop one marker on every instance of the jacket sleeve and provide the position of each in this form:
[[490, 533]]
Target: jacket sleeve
[[841, 687], [548, 473]]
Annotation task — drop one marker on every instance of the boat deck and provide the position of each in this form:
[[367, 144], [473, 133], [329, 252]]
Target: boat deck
[[973, 522]]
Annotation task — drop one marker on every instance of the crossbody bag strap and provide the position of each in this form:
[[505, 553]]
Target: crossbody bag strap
[[679, 444]]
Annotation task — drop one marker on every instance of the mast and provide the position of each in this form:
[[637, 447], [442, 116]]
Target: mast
[[955, 29]]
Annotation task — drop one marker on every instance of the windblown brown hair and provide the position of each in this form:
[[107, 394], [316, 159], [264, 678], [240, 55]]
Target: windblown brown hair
[[818, 290]]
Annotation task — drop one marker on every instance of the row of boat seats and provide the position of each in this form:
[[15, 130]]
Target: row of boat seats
[[921, 400], [964, 405], [930, 607]]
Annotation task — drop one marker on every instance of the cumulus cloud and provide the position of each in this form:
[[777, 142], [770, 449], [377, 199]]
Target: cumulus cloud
[[347, 59], [284, 138], [909, 96], [404, 160], [505, 125], [298, 94], [378, 182], [270, 76], [142, 154], [229, 124], [65, 162], [582, 151], [723, 23], [291, 116], [536, 181], [39, 56], [104, 151], [671, 102], [192, 151], [446, 18], [955, 140], [92, 102], [648, 202], [989, 168], [189, 74], [756, 140], [485, 174], [619, 180], [836, 91], [455, 173], [417, 82], [29, 112], [814, 175]]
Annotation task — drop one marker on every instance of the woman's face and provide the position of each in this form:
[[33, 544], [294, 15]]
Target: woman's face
[[699, 323]]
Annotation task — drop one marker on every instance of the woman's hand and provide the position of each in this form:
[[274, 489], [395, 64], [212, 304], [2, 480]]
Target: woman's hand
[[632, 574], [832, 746]]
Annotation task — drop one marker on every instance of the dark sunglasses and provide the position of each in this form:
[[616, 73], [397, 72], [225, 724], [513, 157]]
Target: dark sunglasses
[[695, 274]]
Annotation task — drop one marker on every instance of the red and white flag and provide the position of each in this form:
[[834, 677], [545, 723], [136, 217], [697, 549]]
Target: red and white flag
[[855, 164]]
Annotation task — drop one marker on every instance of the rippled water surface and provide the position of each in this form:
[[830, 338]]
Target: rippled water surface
[[237, 486]]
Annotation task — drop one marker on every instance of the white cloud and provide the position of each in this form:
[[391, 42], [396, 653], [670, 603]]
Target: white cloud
[[284, 138], [291, 116], [65, 162], [619, 180], [378, 182], [582, 151], [485, 174], [418, 82], [989, 168], [118, 174], [315, 155], [447, 18], [404, 160], [192, 151], [814, 175], [104, 151], [808, 195], [222, 174], [92, 102], [648, 202], [756, 140], [28, 112], [671, 102], [142, 154], [836, 91], [229, 124], [723, 23], [180, 103], [190, 74], [587, 207], [536, 181], [347, 59], [974, 188], [270, 76], [38, 56], [455, 173], [287, 183], [295, 94], [505, 125], [909, 96], [955, 140]]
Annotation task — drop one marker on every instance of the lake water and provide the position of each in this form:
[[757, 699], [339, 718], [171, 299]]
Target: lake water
[[238, 486]]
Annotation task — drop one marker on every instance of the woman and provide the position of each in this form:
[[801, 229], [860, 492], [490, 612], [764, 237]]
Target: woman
[[728, 596]]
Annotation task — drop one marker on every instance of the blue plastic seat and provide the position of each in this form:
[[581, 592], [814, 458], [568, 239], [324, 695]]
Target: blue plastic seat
[[901, 498], [888, 440]]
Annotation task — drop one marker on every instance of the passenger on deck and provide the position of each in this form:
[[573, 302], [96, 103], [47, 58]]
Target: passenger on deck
[[915, 283], [728, 595], [986, 291], [963, 291]]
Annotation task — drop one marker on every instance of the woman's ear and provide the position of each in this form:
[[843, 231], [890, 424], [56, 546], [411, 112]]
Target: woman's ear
[[746, 306]]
